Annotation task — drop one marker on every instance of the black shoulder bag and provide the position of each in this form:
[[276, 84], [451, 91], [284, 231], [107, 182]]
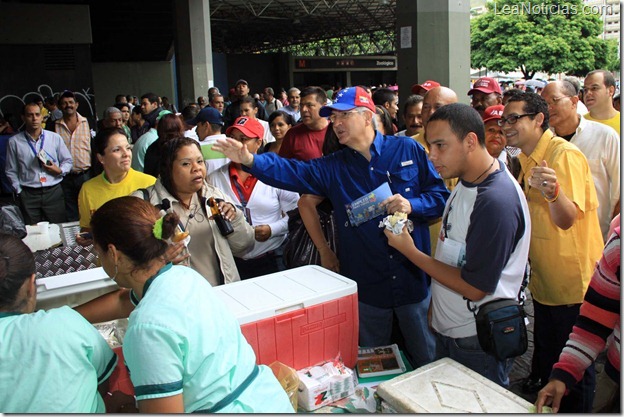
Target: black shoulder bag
[[501, 326]]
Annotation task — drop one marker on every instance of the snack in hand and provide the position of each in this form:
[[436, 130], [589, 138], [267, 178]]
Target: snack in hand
[[179, 237], [396, 222], [398, 215]]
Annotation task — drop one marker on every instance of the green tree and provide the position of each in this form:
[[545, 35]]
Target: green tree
[[551, 36]]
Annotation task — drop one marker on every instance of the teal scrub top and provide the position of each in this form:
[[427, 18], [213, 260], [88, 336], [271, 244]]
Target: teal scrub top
[[182, 339], [52, 362]]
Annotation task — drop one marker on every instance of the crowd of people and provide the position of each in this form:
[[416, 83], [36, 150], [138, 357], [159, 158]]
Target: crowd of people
[[516, 178]]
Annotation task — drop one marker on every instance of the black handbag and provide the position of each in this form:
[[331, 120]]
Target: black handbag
[[501, 328], [501, 324], [299, 249]]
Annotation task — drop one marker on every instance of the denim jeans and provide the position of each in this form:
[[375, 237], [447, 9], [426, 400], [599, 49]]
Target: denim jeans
[[376, 329], [468, 352]]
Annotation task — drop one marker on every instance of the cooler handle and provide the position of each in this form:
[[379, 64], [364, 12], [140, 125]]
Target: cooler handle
[[298, 309]]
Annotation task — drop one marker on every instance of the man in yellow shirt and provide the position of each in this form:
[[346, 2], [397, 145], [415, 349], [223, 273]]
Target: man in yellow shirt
[[566, 240], [599, 88]]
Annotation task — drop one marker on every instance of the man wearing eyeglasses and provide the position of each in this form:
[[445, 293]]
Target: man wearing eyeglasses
[[566, 240], [388, 283], [599, 143], [599, 88]]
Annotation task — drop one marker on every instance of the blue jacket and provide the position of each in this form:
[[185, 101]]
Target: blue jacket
[[385, 277]]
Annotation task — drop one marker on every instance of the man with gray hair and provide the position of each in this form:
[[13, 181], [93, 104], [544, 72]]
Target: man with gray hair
[[272, 104], [599, 143], [112, 118], [580, 106], [294, 99], [388, 283]]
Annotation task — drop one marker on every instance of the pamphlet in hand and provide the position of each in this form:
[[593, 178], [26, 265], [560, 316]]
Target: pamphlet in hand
[[380, 361], [368, 206]]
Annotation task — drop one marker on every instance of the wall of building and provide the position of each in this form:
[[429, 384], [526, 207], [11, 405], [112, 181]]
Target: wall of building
[[43, 71], [136, 78]]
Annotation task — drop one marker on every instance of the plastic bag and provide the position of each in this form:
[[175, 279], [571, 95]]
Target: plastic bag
[[12, 222], [288, 379], [299, 249]]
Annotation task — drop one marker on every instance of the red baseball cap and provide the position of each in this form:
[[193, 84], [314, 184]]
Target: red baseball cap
[[493, 113], [486, 85], [427, 85], [250, 127]]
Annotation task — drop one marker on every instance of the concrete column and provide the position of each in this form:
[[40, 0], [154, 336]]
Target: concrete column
[[433, 44], [193, 46]]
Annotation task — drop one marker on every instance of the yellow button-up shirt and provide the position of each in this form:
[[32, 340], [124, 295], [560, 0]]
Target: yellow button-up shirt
[[562, 261]]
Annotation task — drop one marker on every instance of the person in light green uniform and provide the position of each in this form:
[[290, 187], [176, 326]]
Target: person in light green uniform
[[50, 361], [184, 350]]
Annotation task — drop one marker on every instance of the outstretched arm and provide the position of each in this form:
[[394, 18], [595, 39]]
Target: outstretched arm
[[111, 306], [234, 150]]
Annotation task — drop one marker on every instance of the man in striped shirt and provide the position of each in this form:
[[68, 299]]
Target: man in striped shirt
[[75, 131], [598, 323]]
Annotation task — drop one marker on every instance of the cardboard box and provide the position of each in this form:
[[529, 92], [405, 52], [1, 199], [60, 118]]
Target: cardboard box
[[325, 384], [446, 386], [300, 317]]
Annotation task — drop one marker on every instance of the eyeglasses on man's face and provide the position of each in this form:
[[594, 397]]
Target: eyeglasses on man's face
[[555, 100], [343, 115], [513, 118]]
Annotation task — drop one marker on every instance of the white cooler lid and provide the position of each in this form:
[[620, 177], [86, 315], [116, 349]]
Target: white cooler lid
[[78, 287], [446, 386], [270, 295]]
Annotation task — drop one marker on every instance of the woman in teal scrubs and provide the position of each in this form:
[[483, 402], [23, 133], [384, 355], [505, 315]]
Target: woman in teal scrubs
[[184, 351], [50, 361]]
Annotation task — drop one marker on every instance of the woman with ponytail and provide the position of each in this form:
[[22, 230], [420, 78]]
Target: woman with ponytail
[[184, 350], [50, 361]]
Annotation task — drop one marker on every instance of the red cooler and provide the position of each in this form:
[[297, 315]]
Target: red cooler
[[299, 317]]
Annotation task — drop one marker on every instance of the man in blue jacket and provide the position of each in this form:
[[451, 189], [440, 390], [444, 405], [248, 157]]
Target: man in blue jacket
[[388, 283]]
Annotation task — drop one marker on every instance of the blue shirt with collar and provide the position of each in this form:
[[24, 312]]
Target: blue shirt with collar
[[22, 165], [385, 277]]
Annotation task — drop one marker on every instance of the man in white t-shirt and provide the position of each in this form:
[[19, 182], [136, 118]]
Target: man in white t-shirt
[[483, 244]]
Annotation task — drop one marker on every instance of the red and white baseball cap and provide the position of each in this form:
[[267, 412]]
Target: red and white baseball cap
[[493, 113], [250, 127], [486, 85], [426, 86]]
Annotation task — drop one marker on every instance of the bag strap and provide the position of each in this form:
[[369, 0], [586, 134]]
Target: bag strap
[[521, 295]]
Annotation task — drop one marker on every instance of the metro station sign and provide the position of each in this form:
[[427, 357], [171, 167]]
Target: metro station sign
[[353, 63]]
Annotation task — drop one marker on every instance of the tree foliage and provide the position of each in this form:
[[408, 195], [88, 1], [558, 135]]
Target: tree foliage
[[553, 36]]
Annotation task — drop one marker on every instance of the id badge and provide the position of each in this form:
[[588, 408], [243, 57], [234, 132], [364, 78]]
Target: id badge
[[42, 178], [451, 252]]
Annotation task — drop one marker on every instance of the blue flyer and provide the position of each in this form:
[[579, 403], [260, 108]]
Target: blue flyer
[[368, 206]]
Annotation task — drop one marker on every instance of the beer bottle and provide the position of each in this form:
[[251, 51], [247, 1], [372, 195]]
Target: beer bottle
[[225, 227]]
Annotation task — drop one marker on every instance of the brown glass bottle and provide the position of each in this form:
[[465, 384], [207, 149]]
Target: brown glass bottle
[[225, 227]]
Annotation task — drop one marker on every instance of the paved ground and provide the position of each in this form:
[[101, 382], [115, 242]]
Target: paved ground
[[522, 365]]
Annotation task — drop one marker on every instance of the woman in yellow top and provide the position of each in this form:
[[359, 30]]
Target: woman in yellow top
[[114, 153]]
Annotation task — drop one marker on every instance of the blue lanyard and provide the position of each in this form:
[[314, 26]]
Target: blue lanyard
[[32, 147]]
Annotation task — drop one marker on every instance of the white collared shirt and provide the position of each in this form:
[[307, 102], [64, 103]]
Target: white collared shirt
[[601, 146]]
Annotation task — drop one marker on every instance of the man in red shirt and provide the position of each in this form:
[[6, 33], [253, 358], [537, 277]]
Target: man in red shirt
[[305, 140]]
